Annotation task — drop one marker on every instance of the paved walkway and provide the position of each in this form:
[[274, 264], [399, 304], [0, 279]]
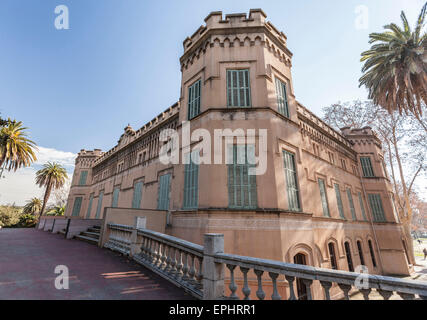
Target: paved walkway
[[28, 258]]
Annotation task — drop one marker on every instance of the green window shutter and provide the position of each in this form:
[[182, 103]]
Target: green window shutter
[[191, 182], [367, 167], [339, 201], [163, 192], [115, 201], [291, 181], [282, 98], [376, 207], [324, 198], [83, 178], [350, 201], [98, 208], [137, 195], [76, 207], [194, 93], [89, 208], [238, 88], [242, 191], [362, 207]]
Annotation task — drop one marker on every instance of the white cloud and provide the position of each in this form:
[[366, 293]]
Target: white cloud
[[18, 187]]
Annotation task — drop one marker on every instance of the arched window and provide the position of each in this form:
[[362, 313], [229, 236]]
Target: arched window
[[359, 248], [348, 255], [300, 258], [371, 250], [333, 256]]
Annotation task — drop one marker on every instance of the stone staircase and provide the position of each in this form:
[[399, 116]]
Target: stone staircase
[[91, 235]]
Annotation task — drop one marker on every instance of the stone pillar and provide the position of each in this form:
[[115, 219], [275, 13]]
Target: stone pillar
[[213, 273], [135, 247]]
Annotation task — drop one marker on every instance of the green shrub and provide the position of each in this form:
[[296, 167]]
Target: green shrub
[[26, 221], [9, 215]]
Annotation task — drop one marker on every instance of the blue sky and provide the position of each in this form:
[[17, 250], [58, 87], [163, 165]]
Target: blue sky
[[119, 61]]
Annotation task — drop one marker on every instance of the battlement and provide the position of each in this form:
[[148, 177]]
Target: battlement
[[363, 135], [255, 19], [90, 153]]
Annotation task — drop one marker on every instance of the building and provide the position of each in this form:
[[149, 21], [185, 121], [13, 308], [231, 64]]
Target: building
[[324, 199]]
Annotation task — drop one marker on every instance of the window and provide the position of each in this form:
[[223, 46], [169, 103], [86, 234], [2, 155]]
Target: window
[[191, 181], [238, 88], [371, 250], [137, 195], [242, 191], [359, 248], [163, 193], [89, 208], [98, 208], [324, 198], [339, 201], [351, 203], [354, 170], [331, 158], [83, 177], [348, 255], [76, 207], [115, 201], [194, 99], [376, 207], [291, 181], [282, 98], [343, 165], [332, 256], [362, 207], [366, 167], [316, 150]]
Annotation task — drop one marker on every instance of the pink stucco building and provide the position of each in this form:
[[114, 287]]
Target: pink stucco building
[[324, 199]]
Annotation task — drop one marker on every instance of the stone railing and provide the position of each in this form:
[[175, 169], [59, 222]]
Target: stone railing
[[200, 270], [177, 260]]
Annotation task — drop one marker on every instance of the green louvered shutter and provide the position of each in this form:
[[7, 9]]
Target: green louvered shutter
[[350, 201], [238, 88], [376, 207], [137, 195], [89, 208], [362, 207], [282, 99], [291, 181], [324, 198], [83, 178], [339, 201], [76, 207], [98, 208], [242, 191], [367, 167], [163, 193], [191, 181], [115, 201], [194, 99]]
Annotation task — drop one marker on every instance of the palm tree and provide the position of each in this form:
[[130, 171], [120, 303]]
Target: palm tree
[[33, 206], [395, 69], [16, 150], [51, 176]]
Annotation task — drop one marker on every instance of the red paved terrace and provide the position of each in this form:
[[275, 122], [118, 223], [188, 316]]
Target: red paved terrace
[[28, 259]]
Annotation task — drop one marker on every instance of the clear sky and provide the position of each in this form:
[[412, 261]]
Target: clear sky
[[119, 63]]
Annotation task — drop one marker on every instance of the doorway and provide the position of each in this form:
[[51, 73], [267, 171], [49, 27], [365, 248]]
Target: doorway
[[300, 258]]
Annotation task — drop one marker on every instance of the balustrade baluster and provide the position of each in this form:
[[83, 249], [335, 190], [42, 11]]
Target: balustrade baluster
[[149, 250], [155, 255], [173, 261], [385, 294], [192, 271], [326, 287], [291, 280], [275, 295], [365, 293], [142, 254], [163, 257], [179, 266], [406, 296], [232, 286], [246, 290], [168, 260], [345, 289], [199, 276], [307, 283], [185, 268], [260, 292]]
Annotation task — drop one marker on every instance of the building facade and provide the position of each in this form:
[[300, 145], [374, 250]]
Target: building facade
[[324, 199]]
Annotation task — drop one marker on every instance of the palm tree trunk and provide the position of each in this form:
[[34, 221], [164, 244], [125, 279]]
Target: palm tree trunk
[[46, 197]]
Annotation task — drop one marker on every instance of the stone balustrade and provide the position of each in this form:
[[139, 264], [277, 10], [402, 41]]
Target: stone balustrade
[[200, 270]]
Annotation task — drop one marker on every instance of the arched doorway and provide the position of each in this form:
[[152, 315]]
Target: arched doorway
[[300, 258]]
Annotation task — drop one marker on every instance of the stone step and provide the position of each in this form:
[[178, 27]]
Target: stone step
[[87, 239], [94, 235], [93, 230], [97, 227]]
